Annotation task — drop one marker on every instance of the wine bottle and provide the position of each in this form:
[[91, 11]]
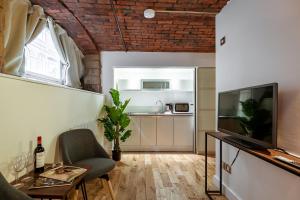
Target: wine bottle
[[39, 156]]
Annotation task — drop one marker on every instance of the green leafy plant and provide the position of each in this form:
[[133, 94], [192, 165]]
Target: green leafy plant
[[116, 120]]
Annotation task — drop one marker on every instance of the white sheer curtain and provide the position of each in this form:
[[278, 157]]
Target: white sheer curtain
[[71, 56], [75, 70], [56, 33], [23, 22]]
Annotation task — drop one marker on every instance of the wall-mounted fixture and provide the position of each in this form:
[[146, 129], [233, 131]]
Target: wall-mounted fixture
[[223, 41], [149, 13], [155, 84]]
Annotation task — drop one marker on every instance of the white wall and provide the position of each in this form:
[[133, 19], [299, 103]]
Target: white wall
[[29, 109], [110, 60], [262, 46]]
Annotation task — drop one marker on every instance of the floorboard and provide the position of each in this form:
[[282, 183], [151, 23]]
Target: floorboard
[[156, 176]]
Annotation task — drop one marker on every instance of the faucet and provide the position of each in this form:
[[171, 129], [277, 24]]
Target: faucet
[[161, 103]]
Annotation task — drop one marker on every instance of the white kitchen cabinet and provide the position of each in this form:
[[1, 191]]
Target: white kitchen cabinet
[[148, 131], [183, 131], [165, 130], [128, 84], [160, 133], [135, 137], [206, 78], [206, 98]]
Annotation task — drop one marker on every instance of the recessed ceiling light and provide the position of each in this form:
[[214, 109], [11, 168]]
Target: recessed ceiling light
[[149, 13]]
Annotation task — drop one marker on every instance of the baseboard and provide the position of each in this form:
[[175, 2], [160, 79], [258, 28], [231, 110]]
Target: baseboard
[[139, 148], [226, 190]]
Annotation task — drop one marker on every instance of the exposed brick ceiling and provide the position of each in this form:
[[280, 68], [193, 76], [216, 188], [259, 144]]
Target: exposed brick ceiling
[[166, 32]]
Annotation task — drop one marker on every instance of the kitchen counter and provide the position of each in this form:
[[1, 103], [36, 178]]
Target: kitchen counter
[[159, 114]]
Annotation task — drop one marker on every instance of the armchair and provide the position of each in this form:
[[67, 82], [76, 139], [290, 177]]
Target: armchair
[[79, 147], [7, 191]]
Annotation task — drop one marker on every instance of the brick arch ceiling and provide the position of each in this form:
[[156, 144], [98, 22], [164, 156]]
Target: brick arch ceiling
[[96, 29]]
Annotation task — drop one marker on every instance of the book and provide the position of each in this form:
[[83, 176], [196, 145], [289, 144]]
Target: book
[[64, 173], [47, 182]]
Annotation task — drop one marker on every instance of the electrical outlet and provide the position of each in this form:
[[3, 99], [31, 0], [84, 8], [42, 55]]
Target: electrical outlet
[[223, 41], [226, 167]]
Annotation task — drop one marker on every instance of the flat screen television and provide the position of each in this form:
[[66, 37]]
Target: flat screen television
[[249, 115]]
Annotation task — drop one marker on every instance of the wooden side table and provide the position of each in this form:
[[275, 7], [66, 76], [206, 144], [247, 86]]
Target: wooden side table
[[59, 192]]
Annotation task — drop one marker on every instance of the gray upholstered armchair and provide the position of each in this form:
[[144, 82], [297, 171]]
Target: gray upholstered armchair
[[79, 147], [7, 191]]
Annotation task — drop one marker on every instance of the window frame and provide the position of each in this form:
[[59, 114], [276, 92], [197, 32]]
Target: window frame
[[41, 77]]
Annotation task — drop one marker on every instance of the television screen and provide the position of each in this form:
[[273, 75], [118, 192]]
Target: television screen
[[250, 114]]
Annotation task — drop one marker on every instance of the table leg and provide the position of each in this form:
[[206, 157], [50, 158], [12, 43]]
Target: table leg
[[206, 189], [83, 190], [209, 193], [220, 165]]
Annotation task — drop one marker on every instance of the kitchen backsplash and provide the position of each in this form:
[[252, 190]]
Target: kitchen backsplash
[[143, 101]]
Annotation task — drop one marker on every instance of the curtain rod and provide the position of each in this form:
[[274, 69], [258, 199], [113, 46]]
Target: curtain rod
[[86, 30], [118, 25]]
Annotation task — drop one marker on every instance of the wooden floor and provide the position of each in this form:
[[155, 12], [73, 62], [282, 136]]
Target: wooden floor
[[158, 176]]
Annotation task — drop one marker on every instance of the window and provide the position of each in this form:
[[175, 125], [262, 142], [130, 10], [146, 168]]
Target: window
[[42, 60]]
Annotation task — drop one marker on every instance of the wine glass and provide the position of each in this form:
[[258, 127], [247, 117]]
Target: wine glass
[[18, 164], [28, 164]]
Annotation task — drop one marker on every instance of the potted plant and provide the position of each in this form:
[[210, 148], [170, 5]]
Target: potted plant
[[115, 123]]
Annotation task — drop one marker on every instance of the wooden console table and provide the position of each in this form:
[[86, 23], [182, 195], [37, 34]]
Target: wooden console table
[[266, 155]]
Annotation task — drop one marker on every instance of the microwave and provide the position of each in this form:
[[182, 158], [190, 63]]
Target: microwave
[[183, 108]]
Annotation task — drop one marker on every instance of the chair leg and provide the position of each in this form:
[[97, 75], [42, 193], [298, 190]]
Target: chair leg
[[106, 178], [75, 197], [100, 183], [111, 190]]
